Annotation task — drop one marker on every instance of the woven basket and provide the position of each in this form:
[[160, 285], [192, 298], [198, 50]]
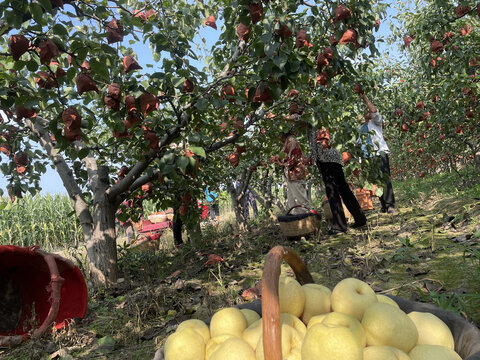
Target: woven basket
[[157, 218], [299, 225], [466, 335]]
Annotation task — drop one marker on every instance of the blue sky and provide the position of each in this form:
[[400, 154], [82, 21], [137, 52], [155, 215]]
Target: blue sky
[[51, 182]]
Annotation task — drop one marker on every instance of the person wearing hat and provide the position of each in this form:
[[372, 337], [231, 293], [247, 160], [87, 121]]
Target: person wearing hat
[[330, 163]]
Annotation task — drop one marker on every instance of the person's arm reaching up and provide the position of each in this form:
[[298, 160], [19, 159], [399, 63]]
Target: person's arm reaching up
[[372, 108]]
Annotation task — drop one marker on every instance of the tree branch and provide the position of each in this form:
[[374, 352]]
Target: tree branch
[[134, 173], [66, 175], [183, 120]]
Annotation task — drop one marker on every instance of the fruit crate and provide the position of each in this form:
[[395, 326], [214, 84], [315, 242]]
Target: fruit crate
[[466, 336], [364, 199]]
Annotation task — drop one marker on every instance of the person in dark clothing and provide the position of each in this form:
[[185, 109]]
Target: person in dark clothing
[[177, 228], [330, 163]]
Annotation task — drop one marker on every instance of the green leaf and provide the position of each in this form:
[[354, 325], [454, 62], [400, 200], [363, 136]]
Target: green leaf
[[266, 38], [198, 150], [83, 153], [59, 29], [280, 61], [37, 12], [46, 4], [379, 192], [32, 65], [99, 68], [182, 163], [177, 82], [202, 104]]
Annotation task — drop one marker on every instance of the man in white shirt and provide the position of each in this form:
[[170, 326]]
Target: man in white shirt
[[374, 122]]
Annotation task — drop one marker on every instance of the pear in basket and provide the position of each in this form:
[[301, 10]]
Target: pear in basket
[[233, 349], [384, 353], [432, 330], [250, 315], [317, 301], [214, 343], [228, 321], [387, 325], [352, 296], [291, 343], [328, 342], [385, 299], [291, 296], [197, 325], [253, 333], [344, 320], [186, 344], [433, 352]]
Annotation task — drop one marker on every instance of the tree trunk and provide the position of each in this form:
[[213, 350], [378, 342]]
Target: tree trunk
[[238, 209], [194, 232], [265, 197], [102, 246]]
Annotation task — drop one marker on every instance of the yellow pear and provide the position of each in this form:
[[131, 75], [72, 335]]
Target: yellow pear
[[384, 353], [385, 299], [228, 321], [233, 349], [317, 301], [291, 296], [317, 319], [341, 319], [214, 343], [296, 354], [433, 352], [327, 342], [197, 325], [250, 315], [387, 325], [252, 333], [294, 322], [186, 344], [352, 296], [432, 330], [291, 340]]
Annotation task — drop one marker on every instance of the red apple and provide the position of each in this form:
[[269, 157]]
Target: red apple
[[210, 21], [18, 45]]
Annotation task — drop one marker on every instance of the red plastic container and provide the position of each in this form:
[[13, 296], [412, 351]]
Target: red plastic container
[[51, 287]]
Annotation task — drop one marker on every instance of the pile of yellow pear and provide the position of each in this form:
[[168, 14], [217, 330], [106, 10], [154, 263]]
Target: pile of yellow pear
[[350, 322]]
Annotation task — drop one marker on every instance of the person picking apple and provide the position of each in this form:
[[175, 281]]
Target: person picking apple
[[295, 173], [374, 122], [330, 163]]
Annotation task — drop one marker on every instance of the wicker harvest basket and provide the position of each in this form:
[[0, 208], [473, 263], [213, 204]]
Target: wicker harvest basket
[[466, 335], [157, 218], [299, 224]]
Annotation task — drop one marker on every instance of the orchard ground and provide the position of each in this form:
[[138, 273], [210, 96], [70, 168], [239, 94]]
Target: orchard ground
[[428, 251]]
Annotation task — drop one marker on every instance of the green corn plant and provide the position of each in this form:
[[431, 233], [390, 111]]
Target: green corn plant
[[39, 220]]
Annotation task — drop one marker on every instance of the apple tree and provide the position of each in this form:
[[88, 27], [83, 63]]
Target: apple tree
[[118, 119], [432, 92]]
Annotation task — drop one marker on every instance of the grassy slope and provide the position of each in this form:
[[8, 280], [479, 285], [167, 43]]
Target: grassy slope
[[428, 251]]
